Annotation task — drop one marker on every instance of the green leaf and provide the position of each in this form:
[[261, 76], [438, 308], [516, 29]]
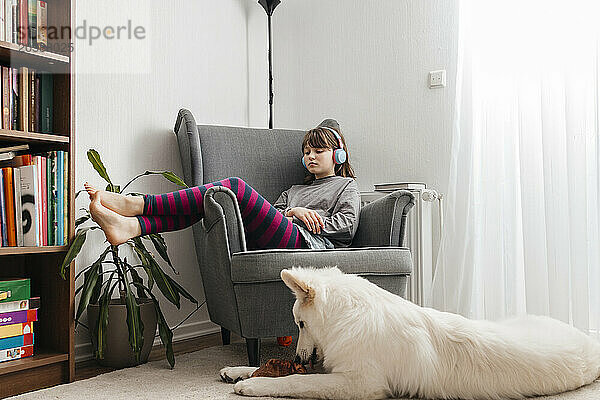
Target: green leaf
[[174, 178], [103, 318], [157, 273], [181, 290], [90, 279], [94, 158], [134, 320], [74, 249], [136, 247], [161, 247], [135, 277], [81, 220], [166, 334]]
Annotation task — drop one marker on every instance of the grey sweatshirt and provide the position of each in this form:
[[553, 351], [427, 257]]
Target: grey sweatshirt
[[336, 199]]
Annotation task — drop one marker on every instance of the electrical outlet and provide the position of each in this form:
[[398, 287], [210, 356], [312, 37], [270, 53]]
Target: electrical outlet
[[437, 79]]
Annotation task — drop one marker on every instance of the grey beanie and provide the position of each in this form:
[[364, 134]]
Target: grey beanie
[[330, 123]]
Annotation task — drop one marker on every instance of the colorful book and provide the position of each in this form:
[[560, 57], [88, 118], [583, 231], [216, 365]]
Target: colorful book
[[65, 199], [18, 317], [16, 353], [10, 206], [18, 205], [60, 197], [19, 305], [29, 205], [42, 24], [23, 34], [16, 341], [16, 329], [44, 195], [4, 242], [32, 21], [15, 290], [52, 198]]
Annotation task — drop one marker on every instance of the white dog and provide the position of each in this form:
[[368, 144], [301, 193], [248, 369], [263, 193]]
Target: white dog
[[376, 345]]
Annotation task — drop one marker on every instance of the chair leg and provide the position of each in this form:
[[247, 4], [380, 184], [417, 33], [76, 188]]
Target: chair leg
[[225, 336], [253, 347]]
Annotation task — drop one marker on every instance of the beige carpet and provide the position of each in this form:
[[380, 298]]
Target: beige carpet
[[196, 376]]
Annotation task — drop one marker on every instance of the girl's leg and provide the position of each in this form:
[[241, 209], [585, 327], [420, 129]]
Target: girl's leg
[[264, 225]]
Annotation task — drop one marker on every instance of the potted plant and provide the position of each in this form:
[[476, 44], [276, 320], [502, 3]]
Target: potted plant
[[136, 304]]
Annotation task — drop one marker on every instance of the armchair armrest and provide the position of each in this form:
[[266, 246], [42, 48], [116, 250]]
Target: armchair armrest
[[383, 222], [223, 220]]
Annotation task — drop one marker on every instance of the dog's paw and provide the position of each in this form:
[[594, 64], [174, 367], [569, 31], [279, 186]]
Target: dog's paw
[[247, 388], [235, 374]]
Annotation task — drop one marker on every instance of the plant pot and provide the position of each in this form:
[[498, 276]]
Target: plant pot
[[117, 352]]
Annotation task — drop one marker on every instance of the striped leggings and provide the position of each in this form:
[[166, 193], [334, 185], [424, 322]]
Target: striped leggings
[[264, 225]]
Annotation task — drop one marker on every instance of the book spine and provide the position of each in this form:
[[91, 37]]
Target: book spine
[[32, 101], [66, 199], [38, 103], [32, 22], [42, 24], [15, 21], [16, 341], [10, 206], [23, 98], [4, 242], [60, 195], [8, 20], [46, 101], [2, 21], [44, 195], [54, 200], [14, 98], [16, 329], [18, 207], [18, 305], [38, 199], [23, 22], [28, 205], [5, 98], [16, 353], [18, 317]]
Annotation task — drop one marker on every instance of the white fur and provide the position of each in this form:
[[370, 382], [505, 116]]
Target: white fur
[[376, 345]]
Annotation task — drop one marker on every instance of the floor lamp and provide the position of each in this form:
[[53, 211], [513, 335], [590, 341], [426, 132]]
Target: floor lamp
[[269, 6]]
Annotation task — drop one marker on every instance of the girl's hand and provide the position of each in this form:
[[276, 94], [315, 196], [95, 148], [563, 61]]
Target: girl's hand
[[312, 219]]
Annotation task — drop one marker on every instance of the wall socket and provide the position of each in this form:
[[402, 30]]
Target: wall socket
[[437, 79]]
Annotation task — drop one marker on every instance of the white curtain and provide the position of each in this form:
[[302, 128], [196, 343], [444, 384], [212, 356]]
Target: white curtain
[[522, 228]]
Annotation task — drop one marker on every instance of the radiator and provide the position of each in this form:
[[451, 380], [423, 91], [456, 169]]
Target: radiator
[[419, 239]]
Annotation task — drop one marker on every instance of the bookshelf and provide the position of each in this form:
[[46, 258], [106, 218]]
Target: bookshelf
[[53, 359]]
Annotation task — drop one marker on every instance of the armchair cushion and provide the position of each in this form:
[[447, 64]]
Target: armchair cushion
[[265, 265]]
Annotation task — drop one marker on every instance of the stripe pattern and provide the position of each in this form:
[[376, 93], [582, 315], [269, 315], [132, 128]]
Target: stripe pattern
[[264, 225]]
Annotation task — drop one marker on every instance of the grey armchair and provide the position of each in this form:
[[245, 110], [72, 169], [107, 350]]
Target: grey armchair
[[244, 292]]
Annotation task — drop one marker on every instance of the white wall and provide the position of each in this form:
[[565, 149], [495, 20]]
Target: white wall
[[366, 67], [365, 64], [127, 98]]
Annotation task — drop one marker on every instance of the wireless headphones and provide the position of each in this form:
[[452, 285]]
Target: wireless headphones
[[339, 155]]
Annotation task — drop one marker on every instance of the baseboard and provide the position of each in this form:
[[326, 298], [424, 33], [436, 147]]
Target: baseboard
[[83, 351]]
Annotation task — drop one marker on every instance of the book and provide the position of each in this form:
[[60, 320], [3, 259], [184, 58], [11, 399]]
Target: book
[[14, 148], [18, 317], [16, 329], [4, 242], [50, 176], [8, 17], [2, 22], [15, 20], [14, 98], [38, 102], [32, 22], [23, 25], [380, 187], [24, 98], [6, 119], [29, 205], [65, 199], [46, 92], [9, 206], [42, 24], [18, 206], [16, 341], [59, 197], [31, 303], [32, 100], [54, 193], [15, 290], [16, 353]]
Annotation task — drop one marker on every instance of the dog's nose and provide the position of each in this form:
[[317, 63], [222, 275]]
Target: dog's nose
[[297, 360]]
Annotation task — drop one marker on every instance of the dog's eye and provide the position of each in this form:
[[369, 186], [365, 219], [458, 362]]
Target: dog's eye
[[301, 323]]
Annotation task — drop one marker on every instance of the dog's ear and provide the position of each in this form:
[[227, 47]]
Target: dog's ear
[[302, 291]]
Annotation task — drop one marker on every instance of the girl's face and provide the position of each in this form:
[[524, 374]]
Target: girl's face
[[319, 161]]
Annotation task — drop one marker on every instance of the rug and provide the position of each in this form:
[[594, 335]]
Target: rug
[[196, 376]]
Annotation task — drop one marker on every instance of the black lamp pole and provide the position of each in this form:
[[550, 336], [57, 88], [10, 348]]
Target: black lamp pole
[[269, 6]]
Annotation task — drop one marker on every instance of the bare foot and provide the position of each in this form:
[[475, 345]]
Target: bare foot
[[129, 206], [117, 228]]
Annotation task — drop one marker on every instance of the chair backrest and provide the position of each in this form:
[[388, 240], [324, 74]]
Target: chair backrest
[[267, 159]]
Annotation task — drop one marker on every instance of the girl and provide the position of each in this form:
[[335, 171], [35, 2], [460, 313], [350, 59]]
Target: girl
[[322, 213]]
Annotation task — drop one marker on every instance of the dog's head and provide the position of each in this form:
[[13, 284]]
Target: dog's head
[[309, 286]]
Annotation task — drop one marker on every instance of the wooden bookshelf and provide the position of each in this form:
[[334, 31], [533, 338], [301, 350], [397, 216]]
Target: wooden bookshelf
[[53, 361]]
